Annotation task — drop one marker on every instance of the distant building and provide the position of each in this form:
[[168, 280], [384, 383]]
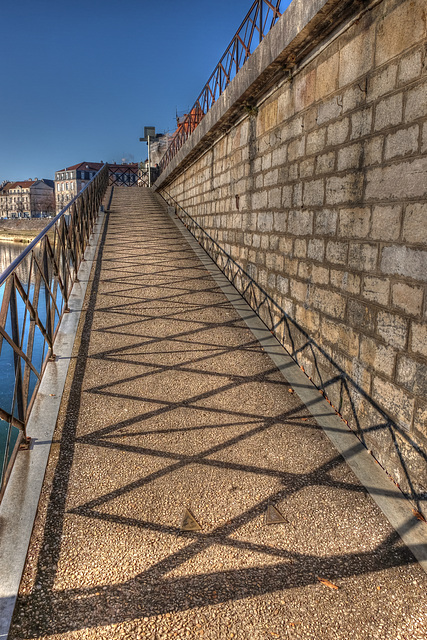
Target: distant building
[[27, 199], [70, 181], [158, 147]]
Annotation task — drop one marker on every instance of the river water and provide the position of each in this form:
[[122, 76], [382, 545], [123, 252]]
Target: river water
[[8, 435]]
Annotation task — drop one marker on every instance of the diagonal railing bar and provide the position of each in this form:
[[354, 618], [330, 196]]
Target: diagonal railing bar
[[34, 293], [261, 18]]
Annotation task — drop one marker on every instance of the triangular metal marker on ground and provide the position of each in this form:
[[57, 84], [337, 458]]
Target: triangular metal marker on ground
[[273, 515], [189, 522]]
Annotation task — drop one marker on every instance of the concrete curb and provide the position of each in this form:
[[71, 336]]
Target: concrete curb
[[383, 491], [19, 505]]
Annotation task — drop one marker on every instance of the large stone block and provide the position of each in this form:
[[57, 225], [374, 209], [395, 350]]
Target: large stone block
[[363, 256], [308, 319], [259, 200], [328, 302], [393, 329], [299, 290], [401, 143], [361, 123], [300, 223], [327, 77], [378, 356], [267, 117], [399, 181], [304, 89], [337, 252], [314, 193], [400, 30], [296, 149], [342, 189], [410, 67], [338, 132], [412, 375], [389, 111], [320, 274], [361, 316], [407, 298], [382, 82], [316, 140], [326, 222], [386, 222], [354, 223], [403, 261], [300, 248], [356, 57], [306, 168], [346, 281], [329, 110], [350, 157], [415, 223], [341, 336], [373, 150], [396, 402], [376, 289], [316, 249], [419, 338], [325, 162]]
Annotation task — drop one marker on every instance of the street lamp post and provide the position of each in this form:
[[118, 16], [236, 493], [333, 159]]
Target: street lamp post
[[149, 132]]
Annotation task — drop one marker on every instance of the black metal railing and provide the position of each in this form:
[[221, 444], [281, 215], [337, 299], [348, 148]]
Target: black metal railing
[[261, 17], [34, 294], [124, 175]]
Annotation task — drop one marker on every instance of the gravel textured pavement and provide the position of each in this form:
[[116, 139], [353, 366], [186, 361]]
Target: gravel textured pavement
[[171, 404]]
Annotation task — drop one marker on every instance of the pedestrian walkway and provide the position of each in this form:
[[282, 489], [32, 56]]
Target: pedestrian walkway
[[172, 404]]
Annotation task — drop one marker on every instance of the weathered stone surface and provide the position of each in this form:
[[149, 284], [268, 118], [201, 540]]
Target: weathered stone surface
[[403, 261], [341, 189], [395, 401], [327, 77], [400, 181], [401, 143], [354, 223], [386, 222], [357, 57], [300, 223], [376, 289], [407, 298], [393, 329], [399, 30], [380, 357], [388, 112], [419, 338], [415, 223]]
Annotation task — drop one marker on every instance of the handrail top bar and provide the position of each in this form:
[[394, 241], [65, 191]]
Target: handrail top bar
[[6, 273]]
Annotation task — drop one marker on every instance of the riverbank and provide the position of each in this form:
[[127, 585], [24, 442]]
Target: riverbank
[[22, 230]]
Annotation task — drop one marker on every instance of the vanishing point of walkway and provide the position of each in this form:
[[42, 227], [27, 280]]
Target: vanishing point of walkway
[[172, 404]]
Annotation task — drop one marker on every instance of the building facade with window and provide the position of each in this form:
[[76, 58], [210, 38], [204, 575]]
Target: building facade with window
[[27, 199], [70, 181]]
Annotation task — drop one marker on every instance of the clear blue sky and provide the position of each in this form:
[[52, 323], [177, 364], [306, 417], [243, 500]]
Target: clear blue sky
[[80, 79]]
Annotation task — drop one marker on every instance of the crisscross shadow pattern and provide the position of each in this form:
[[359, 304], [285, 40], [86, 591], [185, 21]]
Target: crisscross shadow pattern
[[172, 404]]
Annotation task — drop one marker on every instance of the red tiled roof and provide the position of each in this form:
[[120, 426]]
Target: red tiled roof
[[24, 184], [94, 166]]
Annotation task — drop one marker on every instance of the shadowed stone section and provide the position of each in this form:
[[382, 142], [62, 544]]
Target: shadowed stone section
[[172, 401], [315, 206]]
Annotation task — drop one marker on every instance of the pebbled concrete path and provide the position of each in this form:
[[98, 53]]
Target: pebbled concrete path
[[172, 404]]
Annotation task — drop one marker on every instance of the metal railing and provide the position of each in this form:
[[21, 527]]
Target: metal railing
[[261, 17], [124, 175], [34, 294]]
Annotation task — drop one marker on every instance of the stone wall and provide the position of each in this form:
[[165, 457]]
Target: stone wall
[[313, 197]]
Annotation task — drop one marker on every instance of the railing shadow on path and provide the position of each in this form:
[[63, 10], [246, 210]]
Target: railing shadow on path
[[196, 307]]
